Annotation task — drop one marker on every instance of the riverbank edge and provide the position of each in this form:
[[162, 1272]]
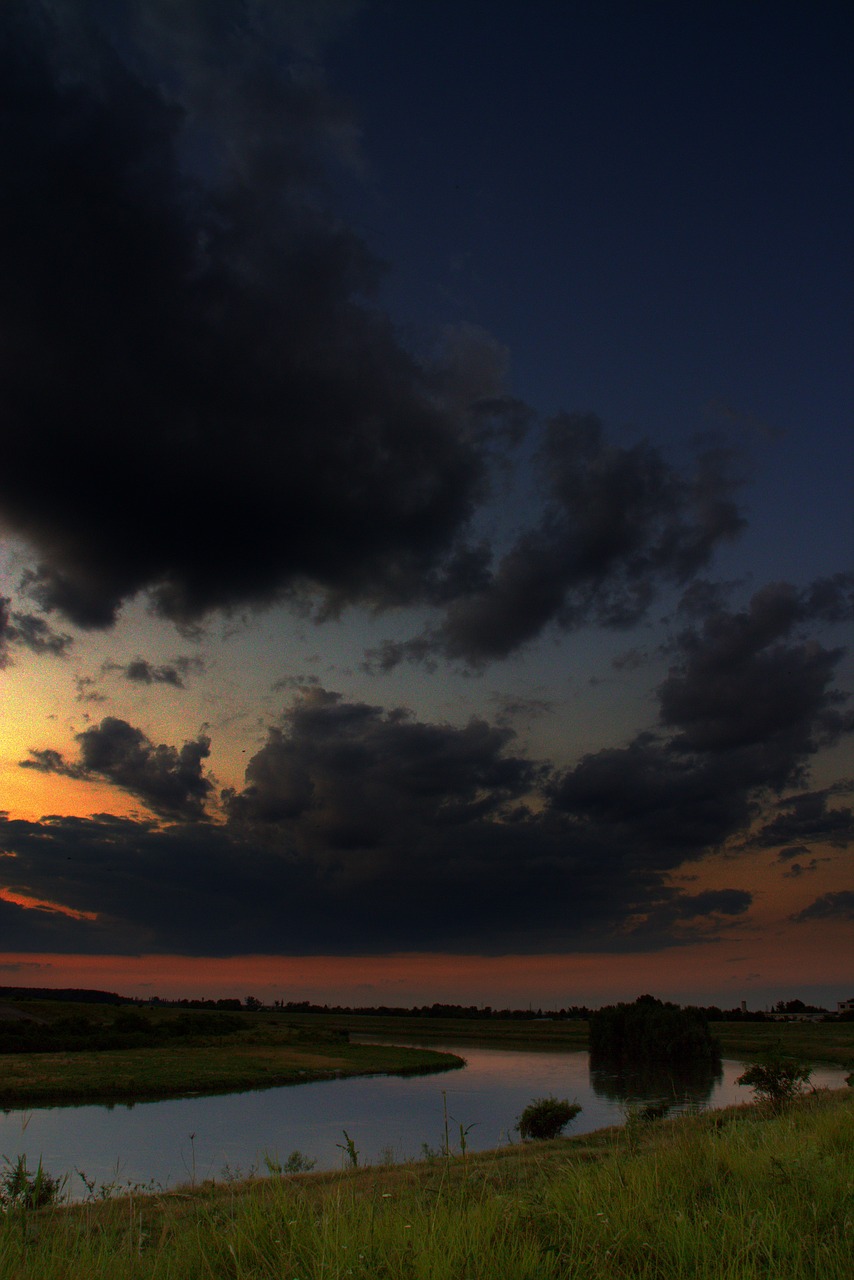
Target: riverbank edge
[[423, 1062]]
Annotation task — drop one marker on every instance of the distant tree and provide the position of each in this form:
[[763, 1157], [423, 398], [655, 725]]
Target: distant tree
[[545, 1118], [252, 1002], [776, 1079], [651, 1033]]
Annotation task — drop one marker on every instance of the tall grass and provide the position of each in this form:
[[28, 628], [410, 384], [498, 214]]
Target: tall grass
[[736, 1195]]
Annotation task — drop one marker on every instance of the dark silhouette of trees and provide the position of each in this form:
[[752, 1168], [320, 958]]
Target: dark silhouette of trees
[[649, 1034]]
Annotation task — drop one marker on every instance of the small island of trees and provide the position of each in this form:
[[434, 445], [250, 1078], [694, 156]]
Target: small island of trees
[[652, 1034]]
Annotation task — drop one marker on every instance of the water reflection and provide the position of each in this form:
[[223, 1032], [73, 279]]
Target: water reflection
[[655, 1089]]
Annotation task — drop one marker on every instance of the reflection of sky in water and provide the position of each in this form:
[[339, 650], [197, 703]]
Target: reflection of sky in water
[[151, 1141]]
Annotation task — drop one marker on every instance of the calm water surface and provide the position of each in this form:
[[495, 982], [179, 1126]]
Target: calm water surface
[[171, 1142]]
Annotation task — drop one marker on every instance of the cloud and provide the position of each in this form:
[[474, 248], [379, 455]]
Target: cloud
[[806, 817], [728, 902], [86, 691], [510, 709], [744, 707], [294, 682], [211, 329], [207, 328], [170, 782], [203, 889], [349, 775], [360, 827], [617, 524], [798, 869], [743, 683], [792, 851], [30, 632], [141, 671], [829, 906]]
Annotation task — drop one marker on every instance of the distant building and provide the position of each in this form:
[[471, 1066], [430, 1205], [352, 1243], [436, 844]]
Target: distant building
[[845, 1006]]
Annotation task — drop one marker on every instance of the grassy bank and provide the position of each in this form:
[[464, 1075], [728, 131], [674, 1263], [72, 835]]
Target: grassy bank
[[176, 1056], [126, 1074], [734, 1195]]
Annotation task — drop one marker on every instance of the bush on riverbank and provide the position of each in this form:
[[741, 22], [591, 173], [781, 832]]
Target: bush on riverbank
[[777, 1079], [546, 1118], [727, 1194]]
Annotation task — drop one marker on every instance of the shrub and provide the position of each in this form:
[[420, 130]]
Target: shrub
[[776, 1079], [21, 1189], [546, 1117]]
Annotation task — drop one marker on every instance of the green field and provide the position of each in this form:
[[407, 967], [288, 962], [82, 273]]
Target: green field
[[180, 1054], [730, 1195]]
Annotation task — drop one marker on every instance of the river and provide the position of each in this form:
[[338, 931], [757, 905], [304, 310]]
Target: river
[[165, 1143]]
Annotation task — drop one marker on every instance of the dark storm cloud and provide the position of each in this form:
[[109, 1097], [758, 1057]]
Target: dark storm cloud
[[359, 777], [169, 781], [808, 817], [199, 398], [30, 632], [829, 906], [717, 907], [202, 401], [745, 705], [748, 682], [617, 524], [437, 836], [200, 889]]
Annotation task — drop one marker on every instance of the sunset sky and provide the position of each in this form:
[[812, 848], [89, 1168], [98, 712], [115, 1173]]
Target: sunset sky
[[425, 500]]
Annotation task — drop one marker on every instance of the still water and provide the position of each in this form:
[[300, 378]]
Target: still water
[[176, 1141]]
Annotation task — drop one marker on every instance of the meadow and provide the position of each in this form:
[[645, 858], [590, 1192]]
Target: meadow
[[740, 1194]]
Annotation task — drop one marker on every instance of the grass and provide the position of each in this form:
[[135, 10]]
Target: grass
[[731, 1195], [112, 1075], [824, 1042], [507, 1033], [258, 1052]]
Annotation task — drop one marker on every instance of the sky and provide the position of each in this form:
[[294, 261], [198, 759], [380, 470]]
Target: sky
[[425, 500]]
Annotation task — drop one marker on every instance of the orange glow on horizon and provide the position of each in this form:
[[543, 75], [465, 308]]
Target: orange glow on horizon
[[717, 973]]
